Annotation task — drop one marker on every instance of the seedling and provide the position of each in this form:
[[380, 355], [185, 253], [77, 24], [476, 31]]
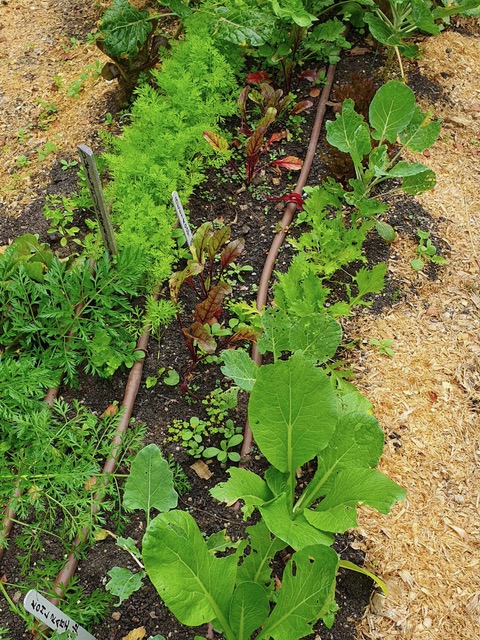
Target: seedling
[[383, 346], [427, 251], [68, 164], [46, 150]]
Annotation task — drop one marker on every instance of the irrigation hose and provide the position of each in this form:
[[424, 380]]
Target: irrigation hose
[[284, 224]]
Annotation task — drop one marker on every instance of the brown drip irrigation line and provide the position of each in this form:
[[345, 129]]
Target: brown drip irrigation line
[[133, 383], [285, 223]]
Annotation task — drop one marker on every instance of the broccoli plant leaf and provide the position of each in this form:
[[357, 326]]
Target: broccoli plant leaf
[[421, 132], [306, 595], [316, 336], [150, 483], [404, 169], [337, 511], [124, 29], [391, 110], [276, 332], [240, 367], [194, 584], [420, 182], [293, 529], [349, 133], [292, 412]]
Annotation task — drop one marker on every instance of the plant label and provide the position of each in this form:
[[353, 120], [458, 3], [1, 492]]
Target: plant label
[[51, 615], [95, 187], [182, 218]]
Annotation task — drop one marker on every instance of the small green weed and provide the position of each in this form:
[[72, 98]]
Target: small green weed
[[426, 251]]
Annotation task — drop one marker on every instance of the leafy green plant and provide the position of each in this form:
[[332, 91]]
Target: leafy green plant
[[384, 346], [395, 22], [48, 113], [394, 119], [48, 148], [38, 308], [128, 37], [426, 251], [296, 417], [60, 211]]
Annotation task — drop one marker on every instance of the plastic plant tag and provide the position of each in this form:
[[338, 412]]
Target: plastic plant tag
[[51, 615], [182, 218]]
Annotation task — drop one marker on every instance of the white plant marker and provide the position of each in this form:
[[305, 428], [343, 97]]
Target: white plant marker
[[51, 615], [182, 218], [95, 187]]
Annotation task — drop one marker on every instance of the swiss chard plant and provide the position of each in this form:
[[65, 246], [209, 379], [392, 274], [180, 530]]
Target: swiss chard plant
[[254, 137], [297, 418], [128, 37], [212, 252]]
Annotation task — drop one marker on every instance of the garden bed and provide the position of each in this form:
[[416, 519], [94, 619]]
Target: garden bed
[[426, 395]]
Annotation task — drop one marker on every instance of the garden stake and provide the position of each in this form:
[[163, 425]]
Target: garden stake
[[284, 224]]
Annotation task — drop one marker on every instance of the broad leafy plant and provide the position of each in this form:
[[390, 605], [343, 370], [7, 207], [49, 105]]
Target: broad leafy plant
[[297, 418]]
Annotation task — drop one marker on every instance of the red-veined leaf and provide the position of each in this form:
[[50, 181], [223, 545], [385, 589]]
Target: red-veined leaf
[[258, 77], [277, 136], [255, 96], [288, 162], [255, 142], [202, 337], [231, 252], [200, 241], [246, 333], [218, 239], [180, 277], [269, 117], [242, 102], [268, 93], [301, 106], [216, 141], [205, 311]]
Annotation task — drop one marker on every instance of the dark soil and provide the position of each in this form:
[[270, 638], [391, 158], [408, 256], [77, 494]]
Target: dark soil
[[254, 217]]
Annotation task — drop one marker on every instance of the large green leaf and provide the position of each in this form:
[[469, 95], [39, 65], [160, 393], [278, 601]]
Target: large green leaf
[[381, 31], [337, 511], [307, 593], [276, 332], [292, 412], [421, 132], [316, 336], [249, 609], [356, 443], [124, 29], [391, 110], [150, 483], [240, 367], [422, 17], [350, 133], [403, 169], [420, 182], [194, 584], [451, 9], [295, 530], [255, 567], [243, 485]]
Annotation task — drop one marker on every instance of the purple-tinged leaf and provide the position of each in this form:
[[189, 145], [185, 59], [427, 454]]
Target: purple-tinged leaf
[[207, 310], [216, 141], [292, 163], [202, 337], [301, 106], [246, 333], [180, 277], [231, 252], [200, 241], [258, 77], [218, 239], [255, 142], [242, 103]]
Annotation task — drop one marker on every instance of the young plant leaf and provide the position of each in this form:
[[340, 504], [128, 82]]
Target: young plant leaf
[[216, 141], [123, 583], [306, 595], [276, 332], [255, 566], [292, 412], [200, 241], [249, 609], [391, 110], [316, 336], [349, 133], [240, 367], [180, 277], [420, 182], [421, 132], [218, 239], [150, 483], [194, 584], [200, 333], [205, 311], [301, 106]]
